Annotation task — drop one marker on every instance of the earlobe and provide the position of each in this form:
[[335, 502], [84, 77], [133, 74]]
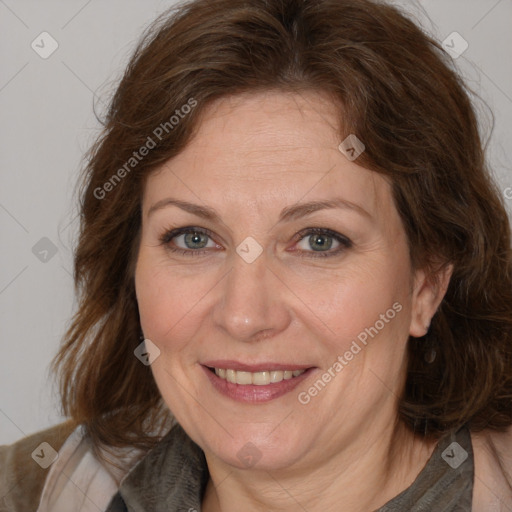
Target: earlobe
[[428, 293]]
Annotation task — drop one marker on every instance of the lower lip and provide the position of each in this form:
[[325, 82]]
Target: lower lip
[[252, 393]]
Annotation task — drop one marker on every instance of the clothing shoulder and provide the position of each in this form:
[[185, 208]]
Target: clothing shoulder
[[22, 475], [493, 471]]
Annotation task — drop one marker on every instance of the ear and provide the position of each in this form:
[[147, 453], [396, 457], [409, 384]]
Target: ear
[[429, 289]]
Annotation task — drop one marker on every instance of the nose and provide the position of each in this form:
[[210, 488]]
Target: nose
[[252, 305]]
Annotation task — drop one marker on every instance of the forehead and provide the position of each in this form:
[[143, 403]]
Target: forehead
[[267, 148]]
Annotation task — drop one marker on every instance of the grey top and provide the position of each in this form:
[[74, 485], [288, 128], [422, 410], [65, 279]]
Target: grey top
[[172, 477]]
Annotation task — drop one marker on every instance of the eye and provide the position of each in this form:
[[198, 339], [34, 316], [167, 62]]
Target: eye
[[193, 238], [195, 241], [321, 241]]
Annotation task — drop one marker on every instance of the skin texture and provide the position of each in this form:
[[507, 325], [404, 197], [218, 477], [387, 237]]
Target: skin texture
[[252, 156]]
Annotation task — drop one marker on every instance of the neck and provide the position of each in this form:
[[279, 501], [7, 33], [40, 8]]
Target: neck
[[365, 476]]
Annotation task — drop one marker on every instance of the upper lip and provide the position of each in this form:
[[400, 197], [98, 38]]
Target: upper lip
[[258, 367]]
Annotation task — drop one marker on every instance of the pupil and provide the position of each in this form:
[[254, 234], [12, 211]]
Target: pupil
[[194, 238], [320, 241]]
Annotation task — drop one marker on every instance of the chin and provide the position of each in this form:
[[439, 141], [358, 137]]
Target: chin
[[252, 450]]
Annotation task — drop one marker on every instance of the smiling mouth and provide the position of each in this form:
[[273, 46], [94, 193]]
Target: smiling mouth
[[262, 378]]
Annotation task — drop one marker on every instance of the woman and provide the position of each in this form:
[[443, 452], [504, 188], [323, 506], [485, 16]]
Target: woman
[[295, 276]]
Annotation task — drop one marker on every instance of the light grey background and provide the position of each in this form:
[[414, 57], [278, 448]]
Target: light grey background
[[47, 123]]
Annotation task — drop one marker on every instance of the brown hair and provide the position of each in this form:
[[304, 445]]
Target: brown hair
[[395, 89]]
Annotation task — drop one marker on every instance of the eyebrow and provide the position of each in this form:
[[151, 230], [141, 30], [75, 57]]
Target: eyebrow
[[289, 213]]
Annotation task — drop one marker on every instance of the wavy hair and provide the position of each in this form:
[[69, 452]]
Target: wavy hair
[[397, 90]]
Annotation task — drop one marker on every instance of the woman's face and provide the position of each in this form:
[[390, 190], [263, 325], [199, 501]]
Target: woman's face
[[255, 289]]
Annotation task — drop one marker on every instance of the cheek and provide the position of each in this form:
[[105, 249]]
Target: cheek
[[335, 305], [168, 298], [350, 301]]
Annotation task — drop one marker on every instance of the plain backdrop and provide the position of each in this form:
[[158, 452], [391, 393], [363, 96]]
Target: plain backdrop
[[47, 123]]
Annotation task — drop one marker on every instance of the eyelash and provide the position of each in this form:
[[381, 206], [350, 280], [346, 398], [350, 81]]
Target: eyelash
[[345, 243]]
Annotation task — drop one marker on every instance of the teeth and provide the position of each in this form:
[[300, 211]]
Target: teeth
[[261, 378], [257, 378], [243, 378]]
